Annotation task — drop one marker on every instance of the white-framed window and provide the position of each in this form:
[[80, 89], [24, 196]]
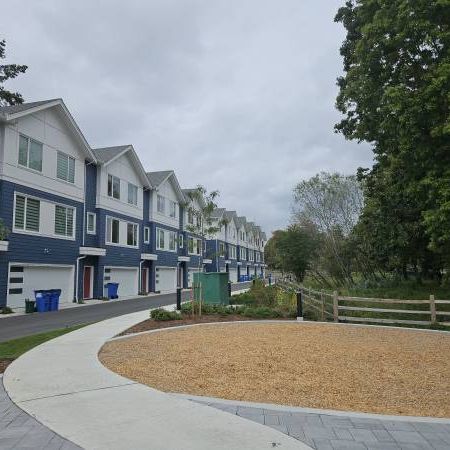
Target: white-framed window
[[173, 209], [190, 217], [257, 255], [181, 241], [160, 239], [221, 249], [191, 245], [132, 194], [161, 204], [63, 221], [132, 234], [251, 255], [27, 213], [91, 224], [232, 252], [113, 187], [112, 230], [172, 241], [146, 235], [65, 167], [30, 153], [242, 254], [199, 247]]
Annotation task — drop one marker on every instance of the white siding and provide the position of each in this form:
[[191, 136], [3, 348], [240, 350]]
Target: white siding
[[168, 191], [49, 128]]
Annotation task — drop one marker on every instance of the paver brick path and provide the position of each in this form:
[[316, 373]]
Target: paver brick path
[[20, 431], [328, 432]]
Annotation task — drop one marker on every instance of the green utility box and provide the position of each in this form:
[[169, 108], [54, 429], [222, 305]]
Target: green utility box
[[212, 286]]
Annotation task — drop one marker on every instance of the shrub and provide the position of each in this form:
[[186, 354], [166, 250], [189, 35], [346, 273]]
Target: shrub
[[246, 298], [162, 315], [261, 312], [6, 310]]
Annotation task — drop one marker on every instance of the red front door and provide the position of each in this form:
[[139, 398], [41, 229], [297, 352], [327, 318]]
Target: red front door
[[144, 280], [87, 282]]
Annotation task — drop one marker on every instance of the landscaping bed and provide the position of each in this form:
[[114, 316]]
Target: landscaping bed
[[367, 369]]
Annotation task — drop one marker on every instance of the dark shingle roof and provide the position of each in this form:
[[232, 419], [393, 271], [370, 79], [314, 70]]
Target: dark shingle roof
[[4, 110], [106, 154], [156, 178], [218, 213]]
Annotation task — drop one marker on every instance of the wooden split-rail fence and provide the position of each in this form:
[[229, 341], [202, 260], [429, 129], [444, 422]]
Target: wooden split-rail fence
[[338, 308]]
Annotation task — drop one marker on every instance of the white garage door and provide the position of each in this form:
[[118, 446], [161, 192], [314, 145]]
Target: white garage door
[[166, 279], [24, 280], [191, 275], [233, 275], [128, 279]]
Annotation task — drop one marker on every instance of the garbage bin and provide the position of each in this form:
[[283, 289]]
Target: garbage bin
[[112, 290], [29, 306], [54, 299], [43, 300]]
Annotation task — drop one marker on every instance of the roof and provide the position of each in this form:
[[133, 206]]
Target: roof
[[14, 109], [188, 196], [218, 213], [230, 215], [242, 220], [8, 113], [157, 178], [107, 154]]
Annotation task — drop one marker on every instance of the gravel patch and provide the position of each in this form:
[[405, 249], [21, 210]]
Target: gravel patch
[[363, 369]]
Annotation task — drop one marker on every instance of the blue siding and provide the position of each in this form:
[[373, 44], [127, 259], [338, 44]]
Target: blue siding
[[91, 240]]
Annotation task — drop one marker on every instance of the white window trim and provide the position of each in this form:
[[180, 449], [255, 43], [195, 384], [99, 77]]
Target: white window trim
[[128, 193], [125, 245], [112, 187], [147, 240], [94, 231], [52, 235], [71, 183], [73, 221], [27, 167]]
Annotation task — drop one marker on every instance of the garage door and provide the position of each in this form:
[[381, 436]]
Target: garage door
[[128, 279], [233, 275], [24, 280], [166, 279], [191, 275]]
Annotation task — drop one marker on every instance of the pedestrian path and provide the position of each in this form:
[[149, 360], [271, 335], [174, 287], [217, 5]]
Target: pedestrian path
[[18, 430], [327, 431]]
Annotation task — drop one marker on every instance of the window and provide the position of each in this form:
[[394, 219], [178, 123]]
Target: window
[[27, 213], [190, 217], [221, 249], [113, 187], [161, 204], [91, 223], [65, 167], [132, 194], [132, 231], [63, 221], [191, 245], [112, 230], [172, 241], [173, 209], [232, 251], [30, 153], [159, 239], [199, 247], [180, 241], [146, 235], [242, 254]]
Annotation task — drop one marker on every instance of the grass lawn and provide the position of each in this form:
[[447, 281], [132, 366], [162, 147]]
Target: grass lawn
[[10, 350]]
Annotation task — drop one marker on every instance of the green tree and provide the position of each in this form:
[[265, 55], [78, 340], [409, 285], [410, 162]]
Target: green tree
[[395, 94], [8, 71]]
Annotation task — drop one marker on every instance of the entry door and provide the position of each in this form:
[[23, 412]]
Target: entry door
[[144, 280], [87, 282]]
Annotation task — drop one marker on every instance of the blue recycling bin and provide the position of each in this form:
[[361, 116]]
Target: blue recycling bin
[[112, 290], [43, 300], [54, 299]]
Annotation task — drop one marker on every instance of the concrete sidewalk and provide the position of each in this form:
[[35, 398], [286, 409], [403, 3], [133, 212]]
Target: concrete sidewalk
[[66, 388]]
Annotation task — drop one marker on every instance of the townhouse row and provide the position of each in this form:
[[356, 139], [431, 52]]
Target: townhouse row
[[79, 217]]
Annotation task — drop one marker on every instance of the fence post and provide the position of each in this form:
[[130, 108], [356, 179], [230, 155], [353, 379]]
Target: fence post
[[299, 306], [432, 309], [335, 307]]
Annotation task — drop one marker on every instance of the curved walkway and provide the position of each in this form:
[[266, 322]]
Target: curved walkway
[[63, 385]]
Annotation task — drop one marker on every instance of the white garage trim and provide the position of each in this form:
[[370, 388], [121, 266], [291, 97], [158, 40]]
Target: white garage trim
[[17, 301], [232, 274]]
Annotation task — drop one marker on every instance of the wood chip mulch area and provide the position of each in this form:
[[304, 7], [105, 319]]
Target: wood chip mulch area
[[375, 370], [4, 363]]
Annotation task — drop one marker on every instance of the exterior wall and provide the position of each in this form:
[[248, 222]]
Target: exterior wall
[[35, 249], [123, 169], [168, 191], [91, 240], [48, 128]]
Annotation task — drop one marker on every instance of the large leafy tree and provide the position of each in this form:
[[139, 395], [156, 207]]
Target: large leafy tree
[[8, 71], [395, 94]]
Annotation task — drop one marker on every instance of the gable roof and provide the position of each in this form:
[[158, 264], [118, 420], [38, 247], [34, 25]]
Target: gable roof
[[242, 221], [231, 216], [106, 155], [218, 213], [158, 178], [193, 192], [9, 113]]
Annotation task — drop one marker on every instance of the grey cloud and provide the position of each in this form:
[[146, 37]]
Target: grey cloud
[[235, 95]]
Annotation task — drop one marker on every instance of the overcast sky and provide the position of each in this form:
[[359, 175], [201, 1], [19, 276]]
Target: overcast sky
[[236, 95]]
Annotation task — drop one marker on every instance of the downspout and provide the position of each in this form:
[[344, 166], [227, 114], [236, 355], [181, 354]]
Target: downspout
[[140, 275], [76, 277]]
